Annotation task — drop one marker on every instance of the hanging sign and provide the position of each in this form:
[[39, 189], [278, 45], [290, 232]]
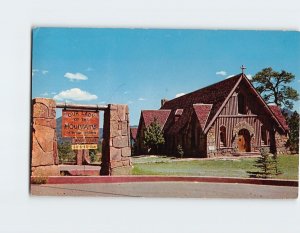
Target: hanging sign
[[80, 124]]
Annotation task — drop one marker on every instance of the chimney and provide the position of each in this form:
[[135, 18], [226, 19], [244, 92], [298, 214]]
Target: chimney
[[163, 101]]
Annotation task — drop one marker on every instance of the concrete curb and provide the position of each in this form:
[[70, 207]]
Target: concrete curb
[[127, 179]]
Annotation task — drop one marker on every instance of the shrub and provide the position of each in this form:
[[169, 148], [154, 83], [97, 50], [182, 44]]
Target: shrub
[[180, 151], [39, 180], [65, 152]]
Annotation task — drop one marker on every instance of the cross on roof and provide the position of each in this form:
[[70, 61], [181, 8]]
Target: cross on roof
[[243, 68]]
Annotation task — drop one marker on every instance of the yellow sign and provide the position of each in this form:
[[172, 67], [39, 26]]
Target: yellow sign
[[84, 146]]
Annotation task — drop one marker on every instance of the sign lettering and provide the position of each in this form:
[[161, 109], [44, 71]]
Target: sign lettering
[[84, 147], [80, 124]]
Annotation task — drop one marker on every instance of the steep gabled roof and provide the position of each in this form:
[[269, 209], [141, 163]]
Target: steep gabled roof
[[276, 116], [133, 133], [214, 95], [277, 112], [202, 112], [160, 115]]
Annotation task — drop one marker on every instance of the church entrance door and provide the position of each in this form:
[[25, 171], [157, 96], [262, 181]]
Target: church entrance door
[[243, 141]]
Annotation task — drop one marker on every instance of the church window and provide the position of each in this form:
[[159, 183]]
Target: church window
[[264, 136], [222, 136], [241, 104]]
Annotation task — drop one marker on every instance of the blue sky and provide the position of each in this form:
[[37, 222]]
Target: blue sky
[[139, 67]]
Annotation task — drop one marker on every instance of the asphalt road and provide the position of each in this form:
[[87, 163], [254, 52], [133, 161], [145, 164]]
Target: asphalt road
[[167, 189]]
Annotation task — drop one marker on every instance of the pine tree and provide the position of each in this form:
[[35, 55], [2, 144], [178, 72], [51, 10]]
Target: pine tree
[[180, 151], [153, 136], [273, 86], [265, 164], [293, 122]]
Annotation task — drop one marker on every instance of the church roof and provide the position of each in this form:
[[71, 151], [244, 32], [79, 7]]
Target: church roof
[[213, 95], [159, 115], [277, 112], [206, 103], [133, 133], [202, 112]]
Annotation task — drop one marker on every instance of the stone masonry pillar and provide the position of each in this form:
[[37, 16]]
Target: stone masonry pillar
[[44, 154], [116, 149]]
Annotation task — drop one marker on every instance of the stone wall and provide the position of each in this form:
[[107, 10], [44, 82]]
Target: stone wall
[[211, 142], [44, 156], [116, 149], [280, 140]]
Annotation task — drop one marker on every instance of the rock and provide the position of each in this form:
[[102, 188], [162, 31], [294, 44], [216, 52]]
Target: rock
[[120, 141], [45, 171], [114, 129], [115, 154], [114, 164], [45, 137], [121, 112], [126, 152], [124, 128], [119, 171], [51, 123], [40, 157], [40, 111]]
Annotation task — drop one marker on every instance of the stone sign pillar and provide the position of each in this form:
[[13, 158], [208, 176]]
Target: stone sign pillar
[[116, 149], [44, 155]]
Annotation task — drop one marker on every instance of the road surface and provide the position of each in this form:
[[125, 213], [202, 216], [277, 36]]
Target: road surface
[[167, 189]]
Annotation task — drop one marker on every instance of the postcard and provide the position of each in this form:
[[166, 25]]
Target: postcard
[[165, 113]]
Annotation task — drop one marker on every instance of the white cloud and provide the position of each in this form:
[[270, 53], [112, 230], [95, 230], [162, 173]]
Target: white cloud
[[75, 76], [45, 71], [74, 94], [179, 94], [34, 71], [222, 73], [141, 99], [249, 76], [229, 76]]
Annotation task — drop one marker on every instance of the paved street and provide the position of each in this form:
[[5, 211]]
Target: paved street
[[167, 189]]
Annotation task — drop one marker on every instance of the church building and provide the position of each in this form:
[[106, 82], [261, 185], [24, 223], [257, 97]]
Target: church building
[[226, 118]]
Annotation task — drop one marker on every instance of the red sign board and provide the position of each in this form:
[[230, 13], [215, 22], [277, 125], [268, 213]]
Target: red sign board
[[80, 124]]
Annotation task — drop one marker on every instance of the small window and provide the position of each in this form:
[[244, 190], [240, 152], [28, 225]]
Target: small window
[[264, 140], [222, 136], [241, 104]]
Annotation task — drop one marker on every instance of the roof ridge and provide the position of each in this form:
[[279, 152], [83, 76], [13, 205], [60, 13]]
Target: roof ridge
[[206, 87]]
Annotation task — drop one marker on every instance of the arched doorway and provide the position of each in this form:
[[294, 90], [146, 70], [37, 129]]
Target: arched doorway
[[244, 140]]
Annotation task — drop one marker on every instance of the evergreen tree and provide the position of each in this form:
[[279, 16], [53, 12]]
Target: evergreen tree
[[293, 123], [266, 165], [273, 86], [180, 151], [153, 136]]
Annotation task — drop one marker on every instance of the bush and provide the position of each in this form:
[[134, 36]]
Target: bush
[[180, 151], [39, 180], [65, 152], [94, 154]]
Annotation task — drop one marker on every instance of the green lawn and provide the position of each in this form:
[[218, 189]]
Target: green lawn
[[235, 167]]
